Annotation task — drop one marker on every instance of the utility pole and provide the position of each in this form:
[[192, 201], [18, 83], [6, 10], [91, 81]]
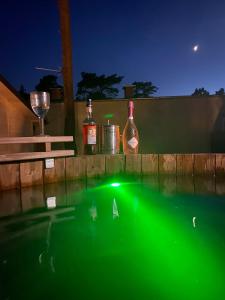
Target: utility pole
[[69, 118]]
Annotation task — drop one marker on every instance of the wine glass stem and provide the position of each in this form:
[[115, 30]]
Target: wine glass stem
[[41, 122]]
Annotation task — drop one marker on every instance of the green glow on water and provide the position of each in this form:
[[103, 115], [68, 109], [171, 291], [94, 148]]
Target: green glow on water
[[182, 260], [115, 184], [129, 239]]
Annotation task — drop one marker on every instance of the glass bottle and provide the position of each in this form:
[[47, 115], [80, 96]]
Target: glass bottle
[[89, 131], [130, 133]]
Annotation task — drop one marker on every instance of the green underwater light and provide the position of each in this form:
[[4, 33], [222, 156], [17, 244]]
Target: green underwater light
[[115, 184]]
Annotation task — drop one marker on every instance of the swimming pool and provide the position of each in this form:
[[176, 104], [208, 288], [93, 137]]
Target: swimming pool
[[115, 240]]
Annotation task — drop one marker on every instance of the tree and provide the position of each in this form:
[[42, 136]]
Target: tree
[[200, 92], [144, 89], [24, 95], [97, 87], [220, 92], [47, 83]]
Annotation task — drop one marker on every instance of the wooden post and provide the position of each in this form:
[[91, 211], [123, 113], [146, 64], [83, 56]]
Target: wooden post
[[57, 173], [31, 173], [167, 164], [114, 164], [133, 164], [75, 167], [150, 164], [69, 125], [185, 164], [204, 164]]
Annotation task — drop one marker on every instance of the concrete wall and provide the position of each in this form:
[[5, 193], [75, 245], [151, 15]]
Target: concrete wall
[[166, 125], [15, 119], [170, 125]]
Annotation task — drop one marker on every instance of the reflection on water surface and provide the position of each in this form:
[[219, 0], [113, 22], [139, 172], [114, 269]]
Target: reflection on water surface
[[145, 239]]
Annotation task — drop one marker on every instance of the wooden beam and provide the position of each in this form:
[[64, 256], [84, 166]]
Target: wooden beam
[[35, 139], [35, 155]]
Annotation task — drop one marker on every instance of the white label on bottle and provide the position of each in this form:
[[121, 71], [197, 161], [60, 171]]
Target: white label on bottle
[[91, 135], [133, 142]]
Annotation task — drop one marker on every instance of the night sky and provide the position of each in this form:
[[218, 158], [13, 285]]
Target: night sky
[[141, 40]]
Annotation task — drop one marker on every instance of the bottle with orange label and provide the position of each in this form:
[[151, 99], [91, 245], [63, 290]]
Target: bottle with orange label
[[89, 131]]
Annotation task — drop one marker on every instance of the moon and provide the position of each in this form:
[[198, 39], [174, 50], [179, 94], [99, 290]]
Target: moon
[[195, 48]]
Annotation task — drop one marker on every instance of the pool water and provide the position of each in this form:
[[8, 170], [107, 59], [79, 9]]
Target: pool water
[[120, 240]]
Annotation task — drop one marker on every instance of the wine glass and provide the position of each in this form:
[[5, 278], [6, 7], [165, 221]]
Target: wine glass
[[40, 103]]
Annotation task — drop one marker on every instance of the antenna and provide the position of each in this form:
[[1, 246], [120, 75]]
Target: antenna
[[49, 69]]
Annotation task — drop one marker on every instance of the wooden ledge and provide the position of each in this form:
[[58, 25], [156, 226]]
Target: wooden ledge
[[35, 155], [35, 139]]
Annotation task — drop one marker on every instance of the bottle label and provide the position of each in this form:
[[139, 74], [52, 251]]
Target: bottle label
[[89, 134], [133, 142]]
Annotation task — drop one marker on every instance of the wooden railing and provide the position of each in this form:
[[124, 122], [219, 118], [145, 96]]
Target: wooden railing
[[46, 140]]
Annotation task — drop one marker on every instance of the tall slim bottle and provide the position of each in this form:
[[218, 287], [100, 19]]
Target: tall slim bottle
[[130, 133], [89, 131]]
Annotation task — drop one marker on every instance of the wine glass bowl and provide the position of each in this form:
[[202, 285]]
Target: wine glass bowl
[[40, 104]]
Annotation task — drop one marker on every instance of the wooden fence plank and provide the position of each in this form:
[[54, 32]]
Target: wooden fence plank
[[95, 165], [150, 164], [220, 164], [57, 173], [114, 164], [204, 164], [133, 164], [185, 164], [31, 173], [75, 167], [167, 164], [9, 176]]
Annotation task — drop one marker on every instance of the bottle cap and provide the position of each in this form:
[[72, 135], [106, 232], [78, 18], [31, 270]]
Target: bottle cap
[[89, 102]]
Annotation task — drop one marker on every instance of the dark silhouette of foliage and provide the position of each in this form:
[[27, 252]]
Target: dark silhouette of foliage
[[144, 89], [97, 87], [200, 92], [220, 92], [47, 83], [25, 97]]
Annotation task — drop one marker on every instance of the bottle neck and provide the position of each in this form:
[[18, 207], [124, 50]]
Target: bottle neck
[[89, 112], [131, 112]]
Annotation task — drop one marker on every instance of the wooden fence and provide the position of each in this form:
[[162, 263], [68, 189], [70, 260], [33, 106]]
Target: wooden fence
[[22, 174]]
